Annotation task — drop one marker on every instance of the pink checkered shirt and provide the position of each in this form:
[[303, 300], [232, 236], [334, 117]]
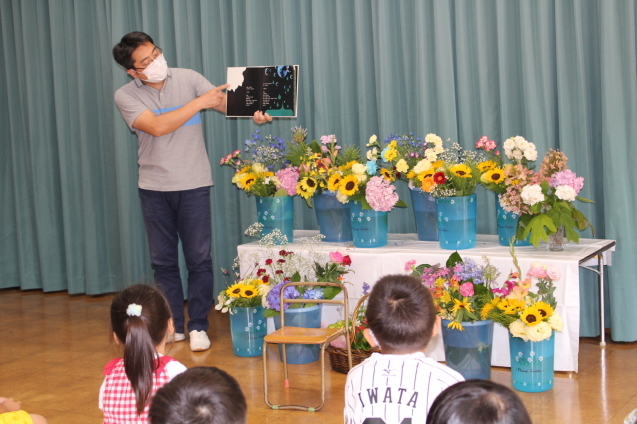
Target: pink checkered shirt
[[119, 403]]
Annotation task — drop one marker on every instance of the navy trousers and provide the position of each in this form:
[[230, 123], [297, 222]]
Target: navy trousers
[[170, 216]]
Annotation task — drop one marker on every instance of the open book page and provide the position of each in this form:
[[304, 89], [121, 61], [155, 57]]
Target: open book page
[[270, 89]]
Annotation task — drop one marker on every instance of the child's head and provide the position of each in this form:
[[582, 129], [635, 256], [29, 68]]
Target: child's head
[[478, 401], [141, 320], [401, 314], [200, 395]]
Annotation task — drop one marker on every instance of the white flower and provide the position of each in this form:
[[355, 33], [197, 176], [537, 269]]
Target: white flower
[[555, 321], [509, 144], [372, 154], [431, 155], [433, 138], [539, 332], [530, 153], [373, 139], [532, 194], [401, 166], [218, 306], [565, 192], [538, 264], [517, 155], [258, 168], [359, 169], [422, 166], [518, 329], [341, 197]]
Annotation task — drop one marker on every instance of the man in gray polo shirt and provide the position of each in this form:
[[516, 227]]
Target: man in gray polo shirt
[[162, 105]]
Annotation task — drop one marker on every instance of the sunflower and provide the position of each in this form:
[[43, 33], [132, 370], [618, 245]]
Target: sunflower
[[349, 185], [387, 174], [531, 316], [334, 182], [440, 177], [306, 187], [487, 165], [461, 304], [455, 325], [348, 165], [246, 180], [249, 291], [390, 154], [234, 290], [488, 307], [495, 176], [544, 309], [461, 170], [511, 306]]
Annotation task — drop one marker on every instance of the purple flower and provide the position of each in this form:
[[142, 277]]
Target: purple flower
[[274, 295], [366, 288], [313, 294], [568, 178]]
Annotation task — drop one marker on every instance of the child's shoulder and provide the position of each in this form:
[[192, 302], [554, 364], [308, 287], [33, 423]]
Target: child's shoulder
[[112, 364]]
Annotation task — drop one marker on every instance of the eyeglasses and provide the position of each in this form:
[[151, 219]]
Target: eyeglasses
[[154, 55]]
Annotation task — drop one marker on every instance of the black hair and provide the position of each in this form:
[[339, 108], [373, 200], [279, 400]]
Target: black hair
[[140, 335], [201, 395], [401, 314], [123, 51], [478, 402]]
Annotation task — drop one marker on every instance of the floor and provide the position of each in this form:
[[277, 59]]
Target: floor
[[53, 348]]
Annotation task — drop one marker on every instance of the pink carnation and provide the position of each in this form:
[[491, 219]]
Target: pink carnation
[[537, 272], [467, 289], [288, 177], [553, 272], [336, 257], [409, 264], [380, 194]]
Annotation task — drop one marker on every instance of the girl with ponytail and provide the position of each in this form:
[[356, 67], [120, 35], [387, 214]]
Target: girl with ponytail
[[141, 322]]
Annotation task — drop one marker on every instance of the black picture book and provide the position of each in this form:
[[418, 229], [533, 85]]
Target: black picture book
[[270, 89]]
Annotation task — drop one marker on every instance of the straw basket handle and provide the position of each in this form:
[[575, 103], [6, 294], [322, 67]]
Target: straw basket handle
[[352, 334]]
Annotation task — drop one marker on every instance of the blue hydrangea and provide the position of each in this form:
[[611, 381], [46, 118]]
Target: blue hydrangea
[[274, 295], [313, 294], [469, 269]]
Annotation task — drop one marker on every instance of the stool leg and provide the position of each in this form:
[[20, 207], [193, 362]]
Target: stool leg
[[600, 259]]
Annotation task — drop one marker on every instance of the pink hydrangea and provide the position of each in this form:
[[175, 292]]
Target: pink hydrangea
[[288, 177], [567, 178], [380, 194]]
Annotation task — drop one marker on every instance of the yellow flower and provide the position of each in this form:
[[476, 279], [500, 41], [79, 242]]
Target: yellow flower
[[334, 181], [488, 307], [390, 154], [495, 176], [348, 165], [249, 291], [461, 304], [437, 164], [306, 187], [487, 165], [234, 290], [461, 170], [531, 316], [445, 298], [349, 185], [544, 309], [246, 180], [511, 306], [387, 174], [455, 325], [402, 166]]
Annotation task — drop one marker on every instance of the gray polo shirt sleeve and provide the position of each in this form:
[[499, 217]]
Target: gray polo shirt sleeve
[[129, 105]]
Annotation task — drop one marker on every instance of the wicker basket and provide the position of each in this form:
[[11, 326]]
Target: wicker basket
[[338, 356]]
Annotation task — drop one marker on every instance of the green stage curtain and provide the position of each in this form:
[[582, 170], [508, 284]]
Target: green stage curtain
[[562, 74]]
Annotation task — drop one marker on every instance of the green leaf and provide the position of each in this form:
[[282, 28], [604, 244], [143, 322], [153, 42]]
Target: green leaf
[[331, 292], [309, 202], [535, 228], [401, 204], [296, 277], [270, 313], [453, 259], [280, 193]]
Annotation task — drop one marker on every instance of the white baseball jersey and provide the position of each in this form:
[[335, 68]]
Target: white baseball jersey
[[395, 389]]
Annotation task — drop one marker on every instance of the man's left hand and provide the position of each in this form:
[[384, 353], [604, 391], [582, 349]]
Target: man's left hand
[[261, 118]]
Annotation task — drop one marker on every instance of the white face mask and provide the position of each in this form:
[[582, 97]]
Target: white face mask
[[157, 71]]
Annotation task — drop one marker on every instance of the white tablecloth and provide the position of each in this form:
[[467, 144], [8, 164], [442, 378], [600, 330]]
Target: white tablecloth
[[370, 264]]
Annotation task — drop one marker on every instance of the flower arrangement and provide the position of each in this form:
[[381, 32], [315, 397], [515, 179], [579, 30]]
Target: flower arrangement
[[358, 341], [320, 164], [528, 315], [369, 184], [267, 173], [544, 199], [412, 158], [520, 153], [462, 289], [455, 173]]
